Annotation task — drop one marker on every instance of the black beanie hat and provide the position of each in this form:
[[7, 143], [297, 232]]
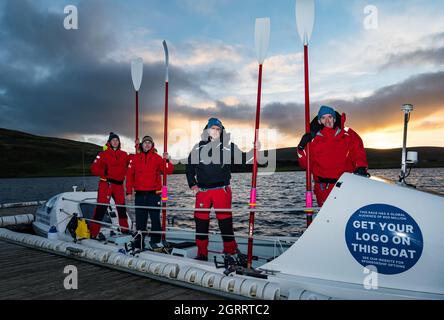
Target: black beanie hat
[[112, 135]]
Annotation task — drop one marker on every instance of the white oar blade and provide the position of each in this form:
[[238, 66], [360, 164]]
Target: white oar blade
[[167, 60], [262, 38], [305, 18], [137, 72]]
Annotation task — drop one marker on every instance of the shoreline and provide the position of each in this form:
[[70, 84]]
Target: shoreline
[[181, 172]]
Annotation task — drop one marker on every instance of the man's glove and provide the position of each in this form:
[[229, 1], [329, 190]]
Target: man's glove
[[306, 138], [362, 171]]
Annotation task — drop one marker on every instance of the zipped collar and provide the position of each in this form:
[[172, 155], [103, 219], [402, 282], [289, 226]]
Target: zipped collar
[[329, 132], [111, 148], [146, 155], [149, 151]]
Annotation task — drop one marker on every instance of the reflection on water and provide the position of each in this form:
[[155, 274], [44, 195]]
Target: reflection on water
[[276, 191]]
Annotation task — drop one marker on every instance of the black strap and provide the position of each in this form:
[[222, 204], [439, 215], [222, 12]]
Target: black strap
[[145, 193], [327, 180], [114, 181]]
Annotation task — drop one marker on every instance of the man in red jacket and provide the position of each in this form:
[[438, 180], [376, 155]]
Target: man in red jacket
[[144, 177], [334, 150], [110, 165]]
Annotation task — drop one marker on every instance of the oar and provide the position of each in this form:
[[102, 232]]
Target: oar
[[165, 145], [262, 40], [305, 15], [136, 75]]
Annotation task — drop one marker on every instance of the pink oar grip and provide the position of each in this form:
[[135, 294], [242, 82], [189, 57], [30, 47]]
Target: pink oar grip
[[253, 195], [164, 194], [309, 199]]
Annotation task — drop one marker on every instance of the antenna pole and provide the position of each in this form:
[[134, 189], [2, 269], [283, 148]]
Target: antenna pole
[[407, 109]]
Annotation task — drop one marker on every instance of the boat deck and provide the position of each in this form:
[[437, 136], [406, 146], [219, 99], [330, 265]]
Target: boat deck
[[32, 274]]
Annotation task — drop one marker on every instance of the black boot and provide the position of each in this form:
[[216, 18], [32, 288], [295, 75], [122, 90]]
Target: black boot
[[100, 237], [242, 259]]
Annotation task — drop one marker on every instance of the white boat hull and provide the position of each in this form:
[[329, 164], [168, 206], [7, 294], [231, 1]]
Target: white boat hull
[[371, 240]]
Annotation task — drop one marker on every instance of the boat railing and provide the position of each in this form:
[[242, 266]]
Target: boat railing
[[185, 209], [278, 240]]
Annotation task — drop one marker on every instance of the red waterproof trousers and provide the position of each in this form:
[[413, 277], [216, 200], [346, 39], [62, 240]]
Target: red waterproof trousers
[[219, 198], [104, 194]]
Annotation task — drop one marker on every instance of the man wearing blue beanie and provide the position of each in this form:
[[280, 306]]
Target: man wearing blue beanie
[[324, 110], [334, 150], [209, 175]]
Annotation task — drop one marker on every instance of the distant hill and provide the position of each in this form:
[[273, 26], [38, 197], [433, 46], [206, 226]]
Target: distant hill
[[27, 155], [429, 157]]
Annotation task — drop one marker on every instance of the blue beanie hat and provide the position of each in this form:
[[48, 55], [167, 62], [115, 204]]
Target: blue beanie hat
[[326, 110], [214, 122]]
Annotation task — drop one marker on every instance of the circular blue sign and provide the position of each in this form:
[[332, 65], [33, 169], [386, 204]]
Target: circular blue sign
[[385, 237]]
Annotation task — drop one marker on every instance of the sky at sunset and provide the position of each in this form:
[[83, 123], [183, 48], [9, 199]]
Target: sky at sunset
[[76, 84]]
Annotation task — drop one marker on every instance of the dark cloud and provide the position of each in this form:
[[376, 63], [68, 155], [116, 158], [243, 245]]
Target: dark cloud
[[57, 82], [379, 110], [240, 112], [219, 77], [437, 36], [383, 107], [32, 38], [434, 56]]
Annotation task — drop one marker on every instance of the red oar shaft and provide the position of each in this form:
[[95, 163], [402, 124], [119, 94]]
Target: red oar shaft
[[137, 117], [308, 194], [165, 148], [254, 176]]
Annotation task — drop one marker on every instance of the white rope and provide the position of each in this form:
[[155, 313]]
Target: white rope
[[68, 217]]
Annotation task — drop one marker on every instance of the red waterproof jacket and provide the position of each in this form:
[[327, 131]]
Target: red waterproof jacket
[[144, 172], [334, 151], [110, 164]]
